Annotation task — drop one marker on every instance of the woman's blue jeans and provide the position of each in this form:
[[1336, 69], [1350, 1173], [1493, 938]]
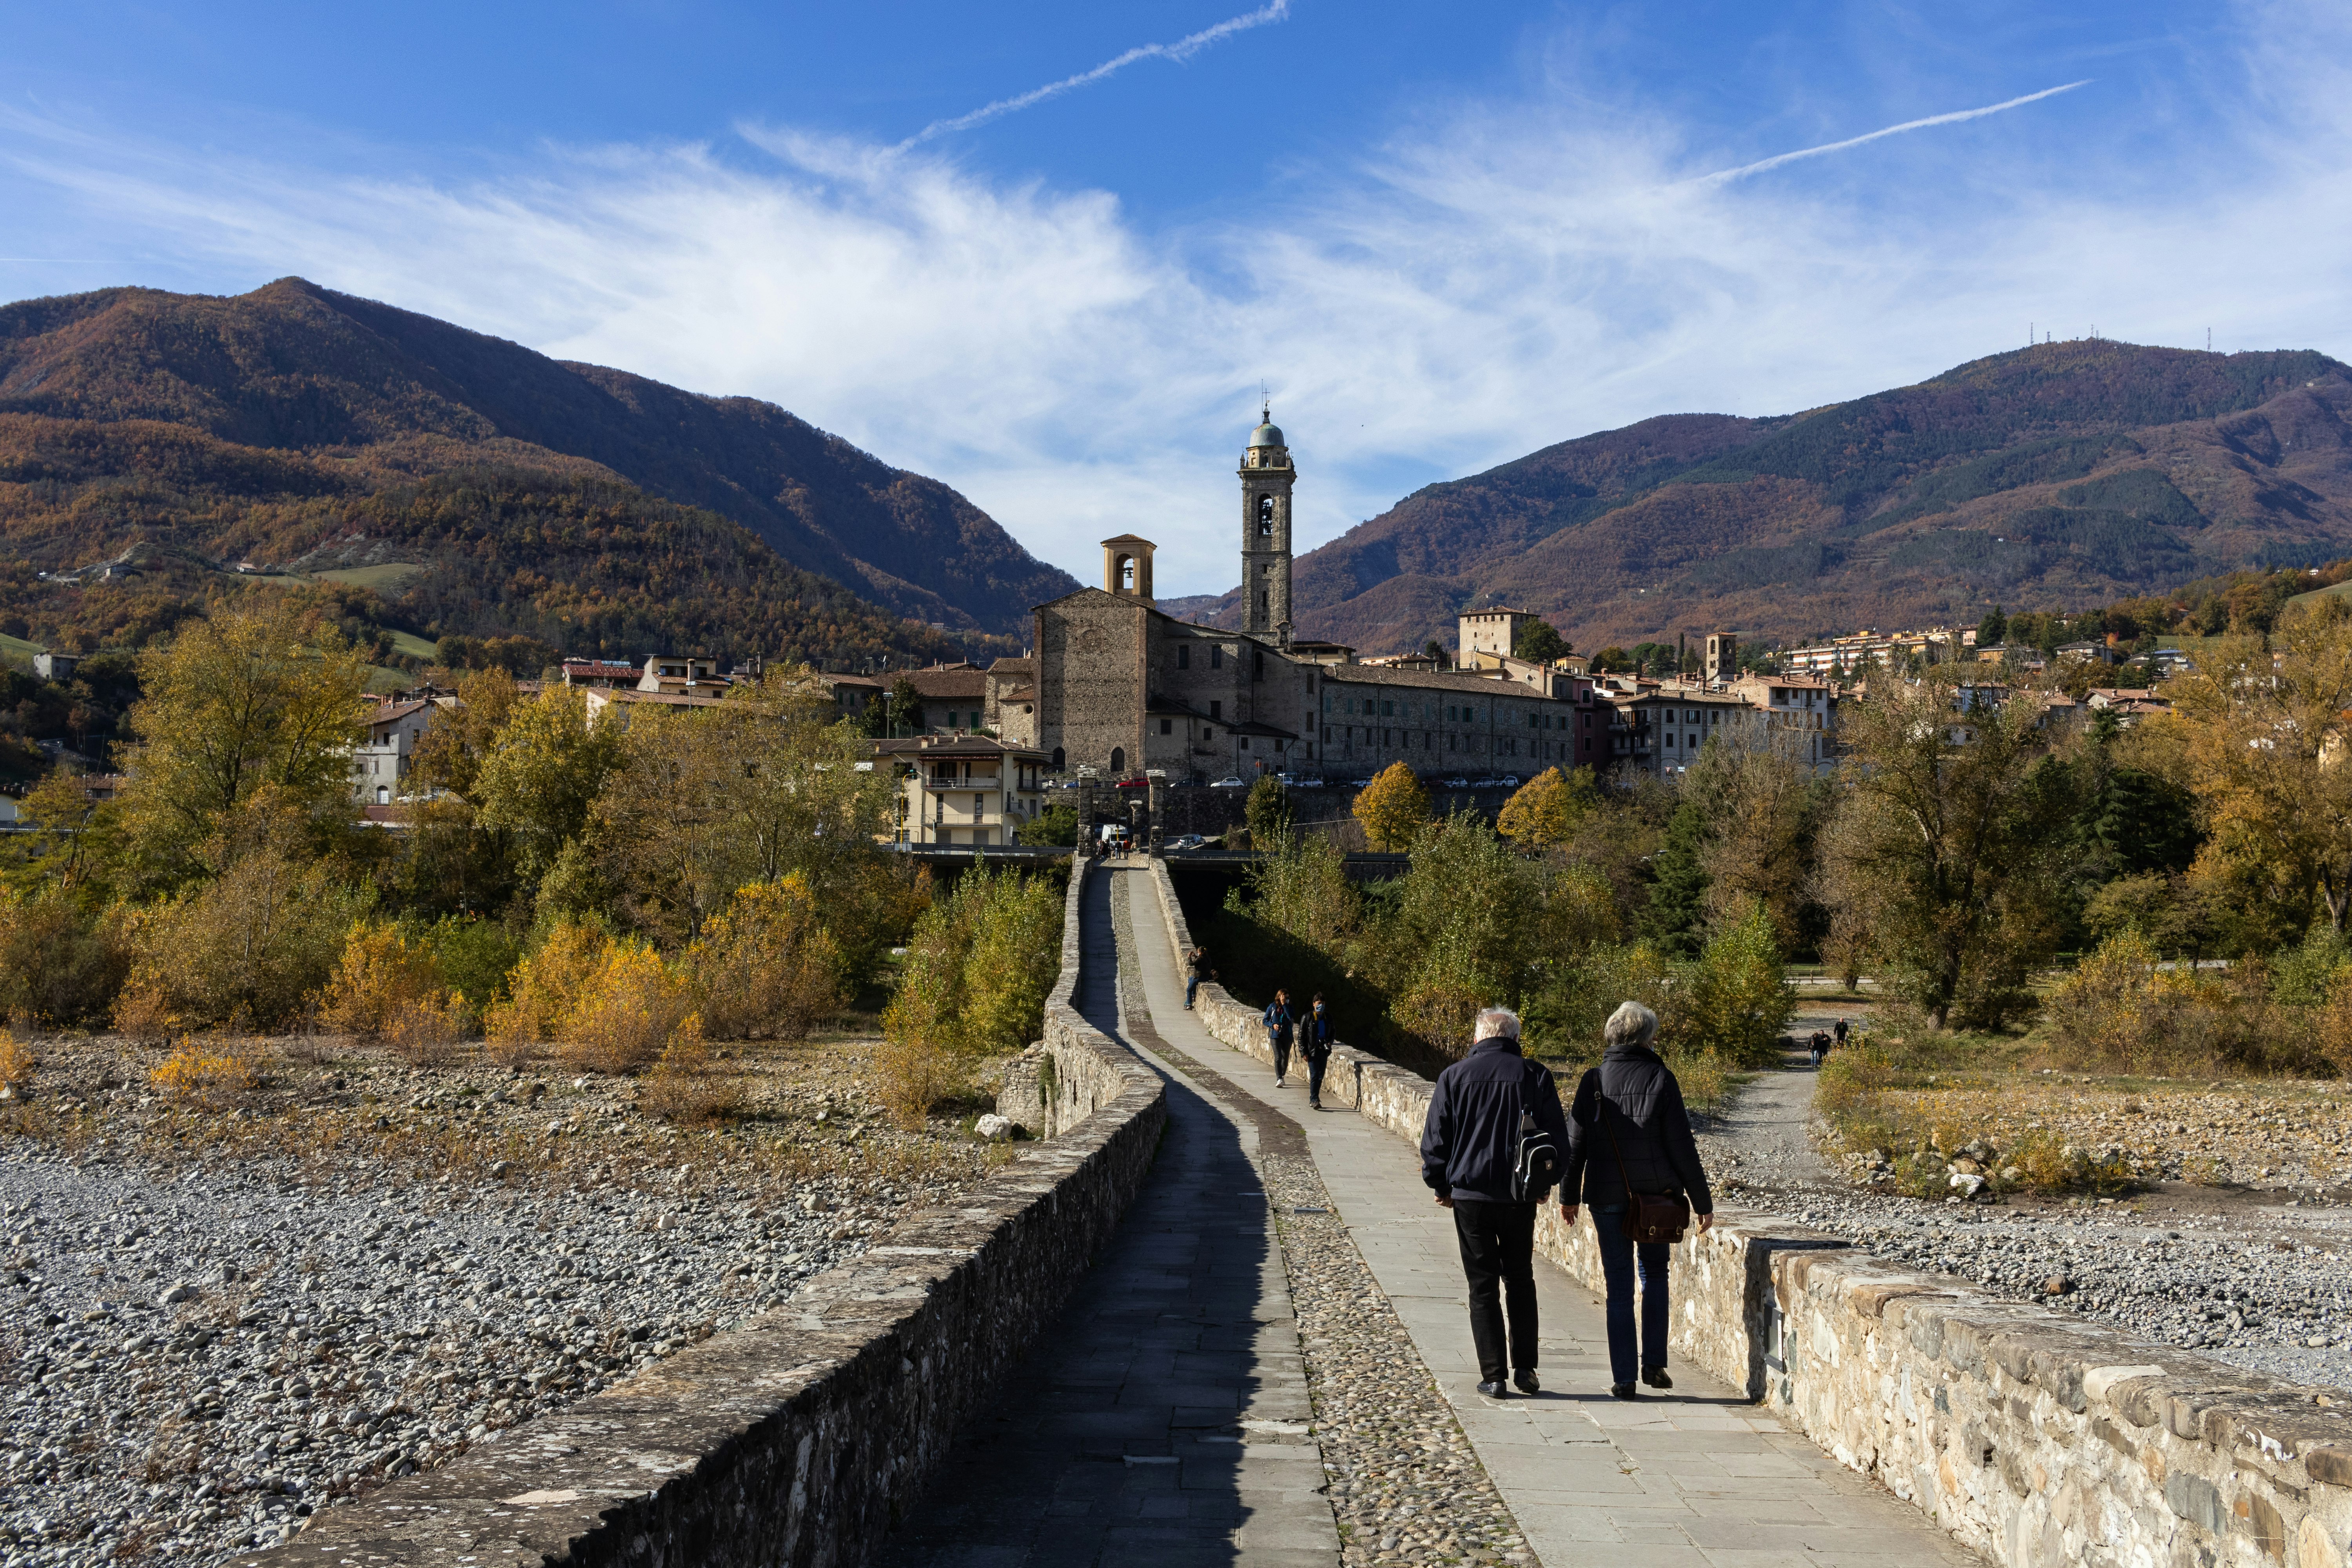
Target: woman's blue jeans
[[1618, 1259]]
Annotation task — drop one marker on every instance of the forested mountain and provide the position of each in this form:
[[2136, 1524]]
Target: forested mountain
[[2061, 474], [303, 429]]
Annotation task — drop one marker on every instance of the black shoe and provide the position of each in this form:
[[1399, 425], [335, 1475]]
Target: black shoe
[[1495, 1390], [1621, 1390], [1655, 1376], [1526, 1381], [1314, 1105]]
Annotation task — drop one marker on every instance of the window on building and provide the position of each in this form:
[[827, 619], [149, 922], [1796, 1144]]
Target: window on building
[[1183, 655], [1217, 709], [1216, 656], [1245, 742], [1058, 764], [1168, 726]]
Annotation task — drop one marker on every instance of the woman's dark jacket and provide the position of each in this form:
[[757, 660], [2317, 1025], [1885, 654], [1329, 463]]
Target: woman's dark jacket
[[1278, 1020], [1470, 1140], [1635, 1092]]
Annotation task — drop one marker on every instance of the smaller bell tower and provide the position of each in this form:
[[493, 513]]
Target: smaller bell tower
[[1267, 477]]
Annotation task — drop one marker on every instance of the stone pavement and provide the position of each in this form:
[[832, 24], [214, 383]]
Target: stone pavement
[[1163, 1419], [1696, 1476]]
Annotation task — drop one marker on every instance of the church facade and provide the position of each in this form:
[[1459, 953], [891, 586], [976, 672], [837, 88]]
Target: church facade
[[1124, 688]]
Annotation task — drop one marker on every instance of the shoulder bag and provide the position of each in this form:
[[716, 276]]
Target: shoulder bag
[[1650, 1217]]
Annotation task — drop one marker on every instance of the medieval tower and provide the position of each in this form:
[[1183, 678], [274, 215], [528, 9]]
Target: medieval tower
[[1266, 478]]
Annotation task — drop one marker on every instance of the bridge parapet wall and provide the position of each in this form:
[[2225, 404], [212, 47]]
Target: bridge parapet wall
[[2031, 1435], [801, 1437]]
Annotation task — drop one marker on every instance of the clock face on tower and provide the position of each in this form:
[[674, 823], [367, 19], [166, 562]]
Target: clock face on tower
[[1265, 516]]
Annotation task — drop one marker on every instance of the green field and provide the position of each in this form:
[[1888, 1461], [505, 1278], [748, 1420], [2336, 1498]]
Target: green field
[[387, 579], [2341, 590], [19, 645], [413, 646]]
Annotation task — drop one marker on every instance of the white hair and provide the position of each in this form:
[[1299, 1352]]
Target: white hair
[[1497, 1022], [1631, 1025]]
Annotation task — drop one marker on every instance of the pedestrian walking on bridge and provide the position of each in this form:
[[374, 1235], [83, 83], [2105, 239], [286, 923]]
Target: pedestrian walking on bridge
[[1281, 1024], [1491, 1150], [1315, 1040], [1197, 970], [1632, 1158]]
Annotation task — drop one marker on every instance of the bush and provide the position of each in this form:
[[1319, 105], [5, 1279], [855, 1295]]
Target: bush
[[426, 1029], [2119, 1013], [542, 990], [683, 1087], [252, 946], [763, 968], [17, 1064], [215, 1073], [60, 961], [629, 1009], [1733, 1002], [1056, 825], [978, 968], [475, 956], [382, 977], [142, 1013]]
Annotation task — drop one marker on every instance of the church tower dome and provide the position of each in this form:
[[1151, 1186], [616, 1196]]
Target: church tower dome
[[1266, 476]]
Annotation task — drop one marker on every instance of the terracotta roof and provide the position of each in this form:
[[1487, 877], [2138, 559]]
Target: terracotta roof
[[951, 746], [966, 681], [1429, 679]]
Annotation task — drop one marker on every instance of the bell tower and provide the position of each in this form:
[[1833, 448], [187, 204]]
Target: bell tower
[[1266, 478]]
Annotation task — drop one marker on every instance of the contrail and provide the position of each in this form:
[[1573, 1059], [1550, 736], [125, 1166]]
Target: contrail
[[1722, 175], [1183, 48]]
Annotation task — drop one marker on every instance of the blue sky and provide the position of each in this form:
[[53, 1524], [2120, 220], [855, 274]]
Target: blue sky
[[1443, 237]]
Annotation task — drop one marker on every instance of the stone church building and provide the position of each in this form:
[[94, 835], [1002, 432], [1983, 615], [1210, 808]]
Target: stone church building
[[1124, 688]]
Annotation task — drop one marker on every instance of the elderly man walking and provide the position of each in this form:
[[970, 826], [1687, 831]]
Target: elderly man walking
[[1490, 1151], [1629, 1137]]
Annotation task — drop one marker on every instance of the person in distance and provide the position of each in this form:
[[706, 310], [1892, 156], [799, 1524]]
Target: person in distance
[[1197, 970], [1489, 1150], [1627, 1135], [1315, 1046], [1280, 1024]]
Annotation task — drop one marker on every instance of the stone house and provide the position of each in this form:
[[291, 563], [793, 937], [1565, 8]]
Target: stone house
[[962, 790], [380, 762]]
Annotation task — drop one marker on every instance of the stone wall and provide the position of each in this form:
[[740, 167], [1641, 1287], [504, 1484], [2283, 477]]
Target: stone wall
[[801, 1437], [2033, 1436]]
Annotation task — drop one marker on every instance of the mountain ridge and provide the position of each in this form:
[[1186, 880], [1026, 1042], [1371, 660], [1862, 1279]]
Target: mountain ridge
[[2075, 472], [294, 368]]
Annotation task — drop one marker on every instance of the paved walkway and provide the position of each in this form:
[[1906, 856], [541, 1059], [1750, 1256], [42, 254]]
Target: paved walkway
[[1692, 1477], [1122, 1440]]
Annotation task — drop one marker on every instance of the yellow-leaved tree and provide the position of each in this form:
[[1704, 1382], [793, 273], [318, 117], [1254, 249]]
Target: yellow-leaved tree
[[541, 772], [763, 967], [2267, 746], [1393, 808], [240, 703], [1547, 809]]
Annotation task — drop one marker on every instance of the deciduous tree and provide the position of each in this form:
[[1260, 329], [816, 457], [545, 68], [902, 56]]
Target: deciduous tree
[[1545, 810], [1393, 808]]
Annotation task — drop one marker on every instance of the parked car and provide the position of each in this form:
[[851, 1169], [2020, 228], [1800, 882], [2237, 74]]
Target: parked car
[[1227, 783], [1132, 784], [1187, 841], [1457, 783], [1509, 781], [1310, 781], [1360, 784], [1486, 780]]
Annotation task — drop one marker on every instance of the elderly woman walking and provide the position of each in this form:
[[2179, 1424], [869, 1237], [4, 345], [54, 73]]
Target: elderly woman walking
[[1629, 1137]]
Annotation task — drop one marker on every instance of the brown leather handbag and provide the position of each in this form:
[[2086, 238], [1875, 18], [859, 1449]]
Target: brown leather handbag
[[1649, 1216]]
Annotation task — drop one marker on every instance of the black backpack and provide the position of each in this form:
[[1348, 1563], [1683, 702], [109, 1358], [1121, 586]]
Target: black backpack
[[1538, 1168]]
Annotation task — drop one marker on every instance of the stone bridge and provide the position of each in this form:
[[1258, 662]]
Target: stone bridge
[[1196, 1322]]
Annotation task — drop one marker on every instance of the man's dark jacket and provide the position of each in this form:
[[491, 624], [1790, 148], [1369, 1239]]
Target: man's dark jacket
[[1470, 1141], [1315, 1034], [1636, 1092]]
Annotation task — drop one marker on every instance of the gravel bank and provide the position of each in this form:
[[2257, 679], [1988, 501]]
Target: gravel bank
[[204, 1343], [2257, 1278]]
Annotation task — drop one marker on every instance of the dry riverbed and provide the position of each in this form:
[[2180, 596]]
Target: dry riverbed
[[219, 1320], [2252, 1266]]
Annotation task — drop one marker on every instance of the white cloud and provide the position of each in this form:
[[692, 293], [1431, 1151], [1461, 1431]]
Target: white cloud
[[1480, 286]]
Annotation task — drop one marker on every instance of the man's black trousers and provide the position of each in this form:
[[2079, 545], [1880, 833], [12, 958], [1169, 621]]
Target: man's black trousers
[[1498, 1257]]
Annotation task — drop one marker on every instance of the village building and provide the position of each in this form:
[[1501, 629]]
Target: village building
[[1123, 688], [960, 790], [382, 762]]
